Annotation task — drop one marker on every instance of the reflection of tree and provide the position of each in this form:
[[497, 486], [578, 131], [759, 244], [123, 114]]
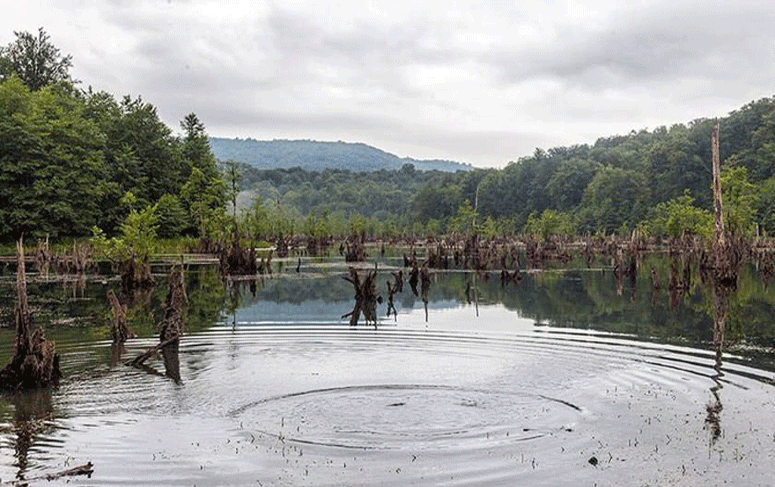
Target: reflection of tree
[[33, 410], [171, 356], [721, 295]]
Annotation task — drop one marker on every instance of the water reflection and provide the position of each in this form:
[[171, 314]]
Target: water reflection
[[32, 420], [267, 367], [720, 301]]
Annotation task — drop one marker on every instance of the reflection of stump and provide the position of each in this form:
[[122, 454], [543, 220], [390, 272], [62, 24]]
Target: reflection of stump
[[425, 285], [414, 278], [365, 297], [35, 363]]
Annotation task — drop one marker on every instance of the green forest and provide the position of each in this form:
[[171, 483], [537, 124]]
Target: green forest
[[77, 163], [657, 182]]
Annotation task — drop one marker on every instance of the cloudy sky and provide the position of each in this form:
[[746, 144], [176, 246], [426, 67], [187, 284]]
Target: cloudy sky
[[477, 82]]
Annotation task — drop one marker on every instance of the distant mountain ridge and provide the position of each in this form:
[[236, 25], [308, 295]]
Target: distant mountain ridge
[[315, 156]]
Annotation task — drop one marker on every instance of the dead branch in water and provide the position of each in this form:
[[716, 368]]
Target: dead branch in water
[[85, 469], [138, 361]]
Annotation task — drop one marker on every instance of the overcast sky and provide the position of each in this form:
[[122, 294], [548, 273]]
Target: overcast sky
[[477, 82]]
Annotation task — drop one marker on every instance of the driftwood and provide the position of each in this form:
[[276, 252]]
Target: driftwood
[[138, 361], [413, 278], [425, 285], [35, 363], [43, 257], [85, 469], [396, 287]]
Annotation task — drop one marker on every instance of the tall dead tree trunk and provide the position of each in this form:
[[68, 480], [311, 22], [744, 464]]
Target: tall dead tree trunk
[[35, 363], [719, 241], [727, 255]]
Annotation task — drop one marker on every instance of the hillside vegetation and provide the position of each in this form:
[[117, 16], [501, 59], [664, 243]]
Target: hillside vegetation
[[657, 181], [316, 156]]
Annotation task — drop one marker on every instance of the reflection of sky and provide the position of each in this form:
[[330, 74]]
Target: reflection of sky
[[317, 311]]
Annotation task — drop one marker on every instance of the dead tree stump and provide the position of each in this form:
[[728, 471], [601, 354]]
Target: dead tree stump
[[119, 328], [35, 363], [366, 297], [355, 249], [171, 326]]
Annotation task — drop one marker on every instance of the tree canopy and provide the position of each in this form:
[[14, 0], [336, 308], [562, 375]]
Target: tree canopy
[[35, 60]]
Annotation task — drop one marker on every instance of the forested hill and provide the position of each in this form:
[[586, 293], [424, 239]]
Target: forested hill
[[317, 156]]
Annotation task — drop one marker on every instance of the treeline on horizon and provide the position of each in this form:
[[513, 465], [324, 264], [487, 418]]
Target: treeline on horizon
[[657, 182], [78, 163]]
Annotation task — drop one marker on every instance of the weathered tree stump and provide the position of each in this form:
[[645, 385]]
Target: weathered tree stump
[[366, 297], [355, 250], [35, 363], [171, 326], [136, 275], [119, 328]]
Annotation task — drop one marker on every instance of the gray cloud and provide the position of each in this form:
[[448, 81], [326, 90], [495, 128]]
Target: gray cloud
[[482, 82]]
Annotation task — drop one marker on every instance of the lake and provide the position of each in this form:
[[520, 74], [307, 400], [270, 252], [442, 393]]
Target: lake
[[563, 378]]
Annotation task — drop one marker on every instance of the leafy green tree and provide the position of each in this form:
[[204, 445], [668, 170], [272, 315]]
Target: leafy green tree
[[141, 153], [136, 242], [438, 202], [567, 185], [490, 228], [464, 222], [52, 177], [741, 200], [615, 197], [232, 177], [549, 223], [172, 218], [196, 147], [35, 60], [677, 217], [676, 164], [204, 198]]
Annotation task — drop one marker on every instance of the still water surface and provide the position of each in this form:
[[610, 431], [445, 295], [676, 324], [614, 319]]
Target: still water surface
[[558, 380]]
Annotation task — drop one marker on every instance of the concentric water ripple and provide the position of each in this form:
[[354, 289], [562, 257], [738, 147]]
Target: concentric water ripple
[[493, 400], [409, 417]]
